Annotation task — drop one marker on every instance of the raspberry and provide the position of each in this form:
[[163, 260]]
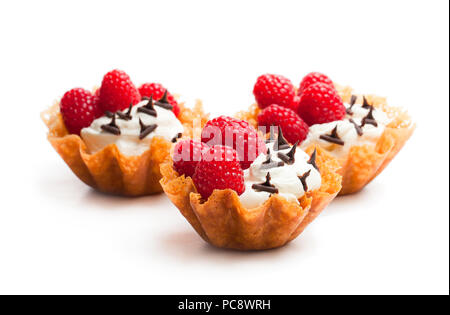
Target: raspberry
[[79, 108], [294, 128], [296, 103], [320, 103], [219, 169], [274, 89], [157, 90], [187, 154], [237, 134], [311, 78], [117, 92]]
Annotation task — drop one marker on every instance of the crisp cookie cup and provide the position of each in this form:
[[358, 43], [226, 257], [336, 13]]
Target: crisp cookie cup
[[109, 170], [224, 222], [363, 163]]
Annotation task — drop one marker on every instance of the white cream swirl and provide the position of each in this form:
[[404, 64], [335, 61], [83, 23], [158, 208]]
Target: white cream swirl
[[347, 130], [128, 142], [285, 178]]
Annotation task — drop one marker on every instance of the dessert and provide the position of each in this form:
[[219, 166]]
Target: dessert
[[242, 192], [115, 138], [361, 131]]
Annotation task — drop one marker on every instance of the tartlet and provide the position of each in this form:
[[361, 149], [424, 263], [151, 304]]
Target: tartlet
[[224, 222], [109, 170], [363, 162]]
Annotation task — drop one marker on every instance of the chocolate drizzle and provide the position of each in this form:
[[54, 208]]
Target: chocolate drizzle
[[126, 115], [303, 180], [369, 119], [178, 136], [289, 158], [163, 102], [146, 130], [312, 160], [365, 104], [271, 135], [333, 137], [268, 157], [281, 143], [109, 114], [112, 127], [359, 130], [148, 108], [269, 163], [352, 102], [266, 186]]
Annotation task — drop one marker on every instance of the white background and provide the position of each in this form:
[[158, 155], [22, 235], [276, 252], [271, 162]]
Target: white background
[[59, 236]]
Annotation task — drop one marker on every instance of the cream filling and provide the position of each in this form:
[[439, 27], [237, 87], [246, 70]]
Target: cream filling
[[128, 142], [347, 131], [284, 178]]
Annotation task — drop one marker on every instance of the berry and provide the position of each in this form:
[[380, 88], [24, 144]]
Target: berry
[[79, 108], [157, 91], [187, 154], [237, 134], [320, 103], [296, 103], [314, 77], [294, 128], [219, 169], [117, 92], [274, 89]]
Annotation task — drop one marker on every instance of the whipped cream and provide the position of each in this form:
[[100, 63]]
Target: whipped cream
[[129, 142], [347, 130], [286, 178]]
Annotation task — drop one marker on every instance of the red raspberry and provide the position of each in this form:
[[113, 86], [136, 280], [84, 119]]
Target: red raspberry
[[320, 103], [294, 128], [157, 90], [187, 154], [79, 108], [311, 78], [117, 92], [219, 169], [274, 89], [237, 134], [296, 103]]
